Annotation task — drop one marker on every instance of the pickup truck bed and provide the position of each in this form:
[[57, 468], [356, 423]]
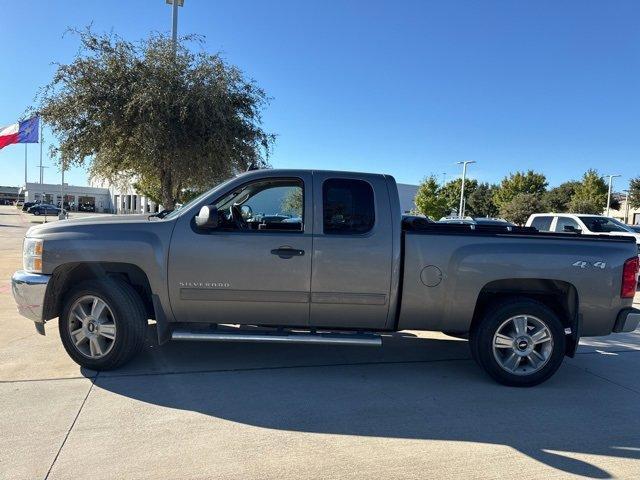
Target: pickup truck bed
[[481, 261]]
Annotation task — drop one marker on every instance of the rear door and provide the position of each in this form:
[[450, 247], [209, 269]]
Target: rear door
[[352, 251]]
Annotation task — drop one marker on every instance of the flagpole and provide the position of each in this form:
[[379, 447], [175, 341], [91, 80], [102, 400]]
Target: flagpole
[[40, 126], [25, 165]]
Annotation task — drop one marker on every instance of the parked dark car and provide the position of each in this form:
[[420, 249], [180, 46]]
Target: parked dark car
[[44, 209], [493, 222], [27, 205], [86, 207]]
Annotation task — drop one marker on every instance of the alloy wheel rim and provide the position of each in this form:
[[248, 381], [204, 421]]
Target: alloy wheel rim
[[522, 345], [92, 326]]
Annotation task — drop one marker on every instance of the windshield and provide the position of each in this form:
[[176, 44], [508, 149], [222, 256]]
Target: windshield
[[604, 224], [193, 201]]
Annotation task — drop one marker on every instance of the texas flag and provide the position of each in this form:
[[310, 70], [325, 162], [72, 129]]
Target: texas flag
[[21, 132]]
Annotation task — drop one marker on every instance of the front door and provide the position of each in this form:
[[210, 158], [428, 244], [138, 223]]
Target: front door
[[256, 267]]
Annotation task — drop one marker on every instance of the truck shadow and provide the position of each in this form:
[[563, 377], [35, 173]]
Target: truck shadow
[[412, 388]]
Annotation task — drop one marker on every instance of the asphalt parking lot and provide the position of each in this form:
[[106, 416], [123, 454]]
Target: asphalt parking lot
[[416, 408]]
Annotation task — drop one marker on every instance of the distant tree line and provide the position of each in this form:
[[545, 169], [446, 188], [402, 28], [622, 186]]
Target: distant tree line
[[517, 196]]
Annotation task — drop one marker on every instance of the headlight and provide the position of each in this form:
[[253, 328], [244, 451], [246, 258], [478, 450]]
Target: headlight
[[32, 255]]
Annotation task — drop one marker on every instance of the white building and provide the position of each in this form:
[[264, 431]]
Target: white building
[[125, 199], [407, 194], [626, 214], [76, 198]]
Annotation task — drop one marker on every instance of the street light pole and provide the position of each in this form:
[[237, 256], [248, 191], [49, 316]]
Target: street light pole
[[174, 24], [464, 174], [611, 177]]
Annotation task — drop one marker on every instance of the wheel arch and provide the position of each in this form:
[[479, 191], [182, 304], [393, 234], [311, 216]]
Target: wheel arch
[[560, 296], [64, 277]]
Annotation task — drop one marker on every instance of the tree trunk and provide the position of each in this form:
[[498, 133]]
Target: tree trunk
[[168, 201]]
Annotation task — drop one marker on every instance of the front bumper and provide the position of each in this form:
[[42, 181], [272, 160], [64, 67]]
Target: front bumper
[[29, 290], [627, 321]]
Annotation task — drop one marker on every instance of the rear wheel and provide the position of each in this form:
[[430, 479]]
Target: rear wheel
[[521, 343], [103, 324]]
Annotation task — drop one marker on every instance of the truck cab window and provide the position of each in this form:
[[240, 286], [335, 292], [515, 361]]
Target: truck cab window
[[566, 224], [266, 205], [542, 224], [348, 206]]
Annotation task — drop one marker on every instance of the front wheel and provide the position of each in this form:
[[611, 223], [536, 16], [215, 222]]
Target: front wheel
[[103, 324], [521, 343]]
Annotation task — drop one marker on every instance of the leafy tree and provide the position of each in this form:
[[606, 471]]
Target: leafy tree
[[451, 193], [582, 205], [292, 202], [429, 200], [480, 201], [590, 194], [150, 188], [519, 182], [634, 193], [559, 198], [518, 209], [134, 110], [614, 203]]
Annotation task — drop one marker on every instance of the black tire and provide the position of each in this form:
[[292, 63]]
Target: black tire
[[129, 317], [482, 338]]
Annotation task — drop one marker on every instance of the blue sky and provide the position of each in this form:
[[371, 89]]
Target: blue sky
[[400, 87]]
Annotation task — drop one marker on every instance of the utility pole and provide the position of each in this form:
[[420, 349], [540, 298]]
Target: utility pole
[[611, 177], [174, 23], [626, 206], [464, 174]]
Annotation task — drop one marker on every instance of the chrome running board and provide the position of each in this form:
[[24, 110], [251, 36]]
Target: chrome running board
[[364, 339]]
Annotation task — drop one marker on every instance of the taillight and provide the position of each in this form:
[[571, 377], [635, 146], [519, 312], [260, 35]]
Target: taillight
[[629, 278]]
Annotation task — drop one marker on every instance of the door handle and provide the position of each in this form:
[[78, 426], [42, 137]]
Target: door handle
[[287, 252]]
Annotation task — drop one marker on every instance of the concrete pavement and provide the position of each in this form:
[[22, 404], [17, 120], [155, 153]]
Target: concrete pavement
[[416, 408]]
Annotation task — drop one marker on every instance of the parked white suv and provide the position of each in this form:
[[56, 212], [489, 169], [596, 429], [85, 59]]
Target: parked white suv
[[581, 223]]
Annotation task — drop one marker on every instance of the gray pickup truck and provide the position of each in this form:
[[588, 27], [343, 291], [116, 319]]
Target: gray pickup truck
[[319, 257]]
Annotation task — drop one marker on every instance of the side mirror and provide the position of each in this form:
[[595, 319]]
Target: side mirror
[[207, 218], [247, 211]]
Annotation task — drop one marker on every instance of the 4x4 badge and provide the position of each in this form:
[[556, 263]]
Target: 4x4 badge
[[583, 264]]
